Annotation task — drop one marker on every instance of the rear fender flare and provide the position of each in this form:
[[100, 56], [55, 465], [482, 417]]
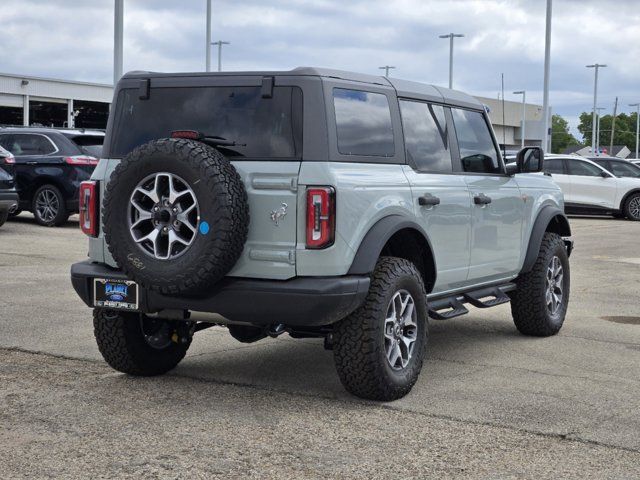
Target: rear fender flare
[[377, 237]]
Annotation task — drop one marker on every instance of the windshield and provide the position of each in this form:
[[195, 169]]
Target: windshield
[[261, 127], [620, 168]]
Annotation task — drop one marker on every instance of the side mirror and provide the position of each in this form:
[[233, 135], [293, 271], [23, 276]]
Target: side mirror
[[604, 174], [530, 160]]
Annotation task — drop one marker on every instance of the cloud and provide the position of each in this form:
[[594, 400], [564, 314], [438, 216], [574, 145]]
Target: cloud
[[73, 40]]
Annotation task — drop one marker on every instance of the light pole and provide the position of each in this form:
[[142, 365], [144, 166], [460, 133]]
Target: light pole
[[524, 111], [208, 49], [597, 66], [219, 43], [118, 31], [386, 69], [637, 105], [545, 89], [599, 109], [451, 36]]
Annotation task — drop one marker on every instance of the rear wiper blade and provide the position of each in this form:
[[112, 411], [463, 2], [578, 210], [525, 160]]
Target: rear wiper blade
[[213, 140]]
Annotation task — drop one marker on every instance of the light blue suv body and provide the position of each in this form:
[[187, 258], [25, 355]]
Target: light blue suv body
[[408, 170]]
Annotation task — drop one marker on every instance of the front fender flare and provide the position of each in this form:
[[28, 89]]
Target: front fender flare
[[548, 214]]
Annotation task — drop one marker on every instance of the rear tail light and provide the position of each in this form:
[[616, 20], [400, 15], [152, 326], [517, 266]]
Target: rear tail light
[[321, 217], [81, 160], [89, 208], [9, 160]]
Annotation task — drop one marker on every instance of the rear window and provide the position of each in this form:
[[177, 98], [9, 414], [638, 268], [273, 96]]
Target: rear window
[[363, 121], [89, 144], [262, 127]]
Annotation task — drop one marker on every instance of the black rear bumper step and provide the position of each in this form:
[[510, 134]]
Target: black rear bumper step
[[453, 306]]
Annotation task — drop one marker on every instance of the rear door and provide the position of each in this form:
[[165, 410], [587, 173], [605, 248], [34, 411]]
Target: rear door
[[557, 169], [497, 205], [588, 185], [441, 198]]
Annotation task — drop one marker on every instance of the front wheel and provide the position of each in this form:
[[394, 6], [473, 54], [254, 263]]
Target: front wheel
[[139, 345], [49, 207], [379, 348], [539, 304]]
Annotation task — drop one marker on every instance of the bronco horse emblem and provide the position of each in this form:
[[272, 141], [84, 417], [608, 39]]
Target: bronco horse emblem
[[279, 214]]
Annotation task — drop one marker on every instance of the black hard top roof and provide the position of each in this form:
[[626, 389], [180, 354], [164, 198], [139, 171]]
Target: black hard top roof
[[405, 88]]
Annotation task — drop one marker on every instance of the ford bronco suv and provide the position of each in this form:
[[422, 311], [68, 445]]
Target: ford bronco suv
[[315, 202]]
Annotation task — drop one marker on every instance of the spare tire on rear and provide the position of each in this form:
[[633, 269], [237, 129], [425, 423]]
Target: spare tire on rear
[[175, 215]]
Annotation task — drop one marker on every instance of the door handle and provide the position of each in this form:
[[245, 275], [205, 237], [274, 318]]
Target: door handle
[[428, 200], [481, 199], [32, 163]]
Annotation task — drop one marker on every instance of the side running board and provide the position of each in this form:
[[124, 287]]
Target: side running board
[[453, 306]]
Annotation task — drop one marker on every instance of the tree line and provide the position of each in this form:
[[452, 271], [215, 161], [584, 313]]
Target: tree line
[[625, 131]]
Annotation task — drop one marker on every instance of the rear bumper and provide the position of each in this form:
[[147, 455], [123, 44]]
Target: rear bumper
[[8, 201], [301, 301]]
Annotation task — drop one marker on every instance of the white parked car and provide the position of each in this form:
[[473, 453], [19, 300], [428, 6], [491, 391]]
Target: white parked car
[[591, 189]]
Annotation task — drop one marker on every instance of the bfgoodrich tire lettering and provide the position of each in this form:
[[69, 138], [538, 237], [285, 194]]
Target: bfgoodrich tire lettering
[[222, 203], [359, 340], [534, 312]]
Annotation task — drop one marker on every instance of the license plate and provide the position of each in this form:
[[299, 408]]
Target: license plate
[[119, 294]]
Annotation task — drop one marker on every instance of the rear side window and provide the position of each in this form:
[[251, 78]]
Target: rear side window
[[553, 165], [89, 144], [478, 153], [363, 121], [28, 144], [425, 136], [578, 167], [262, 128]]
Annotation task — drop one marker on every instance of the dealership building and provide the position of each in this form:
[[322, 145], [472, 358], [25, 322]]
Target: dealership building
[[36, 101]]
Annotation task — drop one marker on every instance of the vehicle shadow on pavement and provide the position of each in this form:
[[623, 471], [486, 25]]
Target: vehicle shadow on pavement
[[305, 367]]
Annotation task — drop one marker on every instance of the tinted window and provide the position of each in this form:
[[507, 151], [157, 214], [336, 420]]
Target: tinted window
[[89, 144], [577, 167], [261, 127], [477, 151], [553, 165], [363, 122], [621, 168], [28, 144], [425, 136]]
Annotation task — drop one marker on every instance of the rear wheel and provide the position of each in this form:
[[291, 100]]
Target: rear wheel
[[632, 207], [138, 345], [539, 304], [49, 207], [3, 217], [379, 349]]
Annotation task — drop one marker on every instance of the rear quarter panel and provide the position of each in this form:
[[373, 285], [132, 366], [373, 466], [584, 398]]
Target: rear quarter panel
[[365, 193]]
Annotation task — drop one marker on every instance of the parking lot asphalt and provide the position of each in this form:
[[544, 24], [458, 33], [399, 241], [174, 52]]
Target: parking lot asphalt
[[489, 402]]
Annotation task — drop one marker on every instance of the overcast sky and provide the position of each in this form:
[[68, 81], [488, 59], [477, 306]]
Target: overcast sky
[[74, 40]]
